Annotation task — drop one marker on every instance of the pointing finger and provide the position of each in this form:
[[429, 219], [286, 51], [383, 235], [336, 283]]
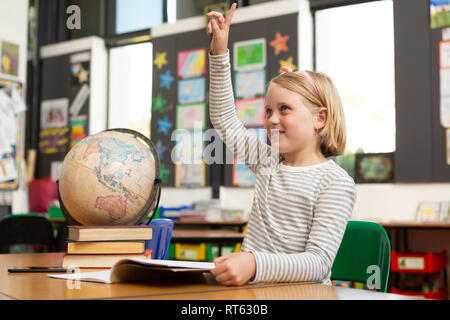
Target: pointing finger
[[230, 13]]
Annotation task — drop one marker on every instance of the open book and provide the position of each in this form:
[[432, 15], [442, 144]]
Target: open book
[[129, 270]]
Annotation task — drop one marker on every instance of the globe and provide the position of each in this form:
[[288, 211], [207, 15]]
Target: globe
[[110, 178]]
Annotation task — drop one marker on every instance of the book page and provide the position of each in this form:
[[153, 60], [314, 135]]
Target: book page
[[129, 270], [172, 263], [98, 276]]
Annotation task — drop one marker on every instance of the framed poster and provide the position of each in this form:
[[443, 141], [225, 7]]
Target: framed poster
[[191, 175], [242, 175], [191, 63], [251, 111], [250, 84], [191, 116], [249, 55], [374, 167], [191, 90]]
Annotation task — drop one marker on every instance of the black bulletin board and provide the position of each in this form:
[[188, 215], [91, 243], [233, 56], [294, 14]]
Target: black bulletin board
[[62, 78], [267, 28], [420, 154]]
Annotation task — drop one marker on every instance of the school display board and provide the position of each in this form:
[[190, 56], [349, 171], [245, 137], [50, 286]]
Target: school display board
[[422, 151], [64, 108], [258, 50]]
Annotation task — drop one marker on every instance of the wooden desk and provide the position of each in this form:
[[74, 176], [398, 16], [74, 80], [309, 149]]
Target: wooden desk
[[40, 286]]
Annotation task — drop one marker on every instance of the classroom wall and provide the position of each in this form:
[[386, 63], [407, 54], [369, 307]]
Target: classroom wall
[[14, 28], [399, 201]]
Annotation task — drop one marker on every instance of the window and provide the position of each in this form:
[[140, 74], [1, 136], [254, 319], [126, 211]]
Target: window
[[130, 87], [135, 15], [355, 47]]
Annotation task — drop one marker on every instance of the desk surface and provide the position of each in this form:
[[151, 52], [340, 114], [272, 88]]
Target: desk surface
[[40, 286]]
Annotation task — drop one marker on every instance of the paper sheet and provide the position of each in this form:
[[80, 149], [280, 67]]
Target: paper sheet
[[7, 170], [80, 99], [17, 101], [106, 276]]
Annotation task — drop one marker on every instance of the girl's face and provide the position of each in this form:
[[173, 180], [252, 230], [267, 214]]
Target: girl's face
[[286, 112]]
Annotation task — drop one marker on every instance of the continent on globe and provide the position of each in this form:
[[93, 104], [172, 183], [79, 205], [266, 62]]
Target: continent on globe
[[92, 148], [114, 205]]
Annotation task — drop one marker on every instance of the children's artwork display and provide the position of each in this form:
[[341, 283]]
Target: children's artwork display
[[191, 116], [160, 59], [191, 63], [279, 43], [439, 13], [180, 109], [251, 111], [429, 211], [191, 90], [242, 175], [53, 140], [12, 119], [9, 63], [190, 175], [189, 146], [54, 113], [250, 84], [374, 167], [249, 54], [78, 129]]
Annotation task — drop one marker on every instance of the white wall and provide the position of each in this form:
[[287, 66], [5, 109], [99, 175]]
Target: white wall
[[14, 28], [376, 202]]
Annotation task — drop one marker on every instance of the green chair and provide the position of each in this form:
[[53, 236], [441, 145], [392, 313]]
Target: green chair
[[364, 247]]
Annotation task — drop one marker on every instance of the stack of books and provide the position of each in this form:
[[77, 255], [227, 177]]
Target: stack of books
[[102, 246]]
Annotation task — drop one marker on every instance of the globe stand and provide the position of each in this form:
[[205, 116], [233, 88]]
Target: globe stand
[[153, 200]]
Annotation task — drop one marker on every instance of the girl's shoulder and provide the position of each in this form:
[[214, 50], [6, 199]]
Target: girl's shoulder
[[335, 174]]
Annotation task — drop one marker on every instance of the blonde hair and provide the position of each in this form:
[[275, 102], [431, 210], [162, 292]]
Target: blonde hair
[[333, 136]]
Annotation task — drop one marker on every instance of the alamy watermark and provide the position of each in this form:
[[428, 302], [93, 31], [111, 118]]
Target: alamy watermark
[[74, 20], [74, 282], [374, 280], [195, 146]]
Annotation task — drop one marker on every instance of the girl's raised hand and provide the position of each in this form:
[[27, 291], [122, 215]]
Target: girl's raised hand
[[219, 29]]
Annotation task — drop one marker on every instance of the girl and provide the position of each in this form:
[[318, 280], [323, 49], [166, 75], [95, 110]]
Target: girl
[[302, 201]]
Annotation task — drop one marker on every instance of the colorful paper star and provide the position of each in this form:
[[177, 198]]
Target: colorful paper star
[[279, 43], [160, 148], [158, 103], [164, 126], [160, 59], [83, 76], [166, 80], [164, 173], [287, 63]]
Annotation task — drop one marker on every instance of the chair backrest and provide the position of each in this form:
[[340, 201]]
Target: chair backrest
[[161, 236], [26, 229], [365, 250]]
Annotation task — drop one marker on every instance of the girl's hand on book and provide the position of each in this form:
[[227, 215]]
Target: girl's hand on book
[[234, 269], [219, 29]]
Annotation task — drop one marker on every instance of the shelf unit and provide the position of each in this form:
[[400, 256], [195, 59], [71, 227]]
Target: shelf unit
[[426, 264]]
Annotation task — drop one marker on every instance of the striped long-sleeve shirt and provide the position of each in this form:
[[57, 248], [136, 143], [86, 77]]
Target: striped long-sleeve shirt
[[299, 214]]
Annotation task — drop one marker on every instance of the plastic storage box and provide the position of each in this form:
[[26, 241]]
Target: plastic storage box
[[196, 252]]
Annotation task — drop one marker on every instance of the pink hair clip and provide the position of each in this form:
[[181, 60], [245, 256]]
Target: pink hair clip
[[304, 73]]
